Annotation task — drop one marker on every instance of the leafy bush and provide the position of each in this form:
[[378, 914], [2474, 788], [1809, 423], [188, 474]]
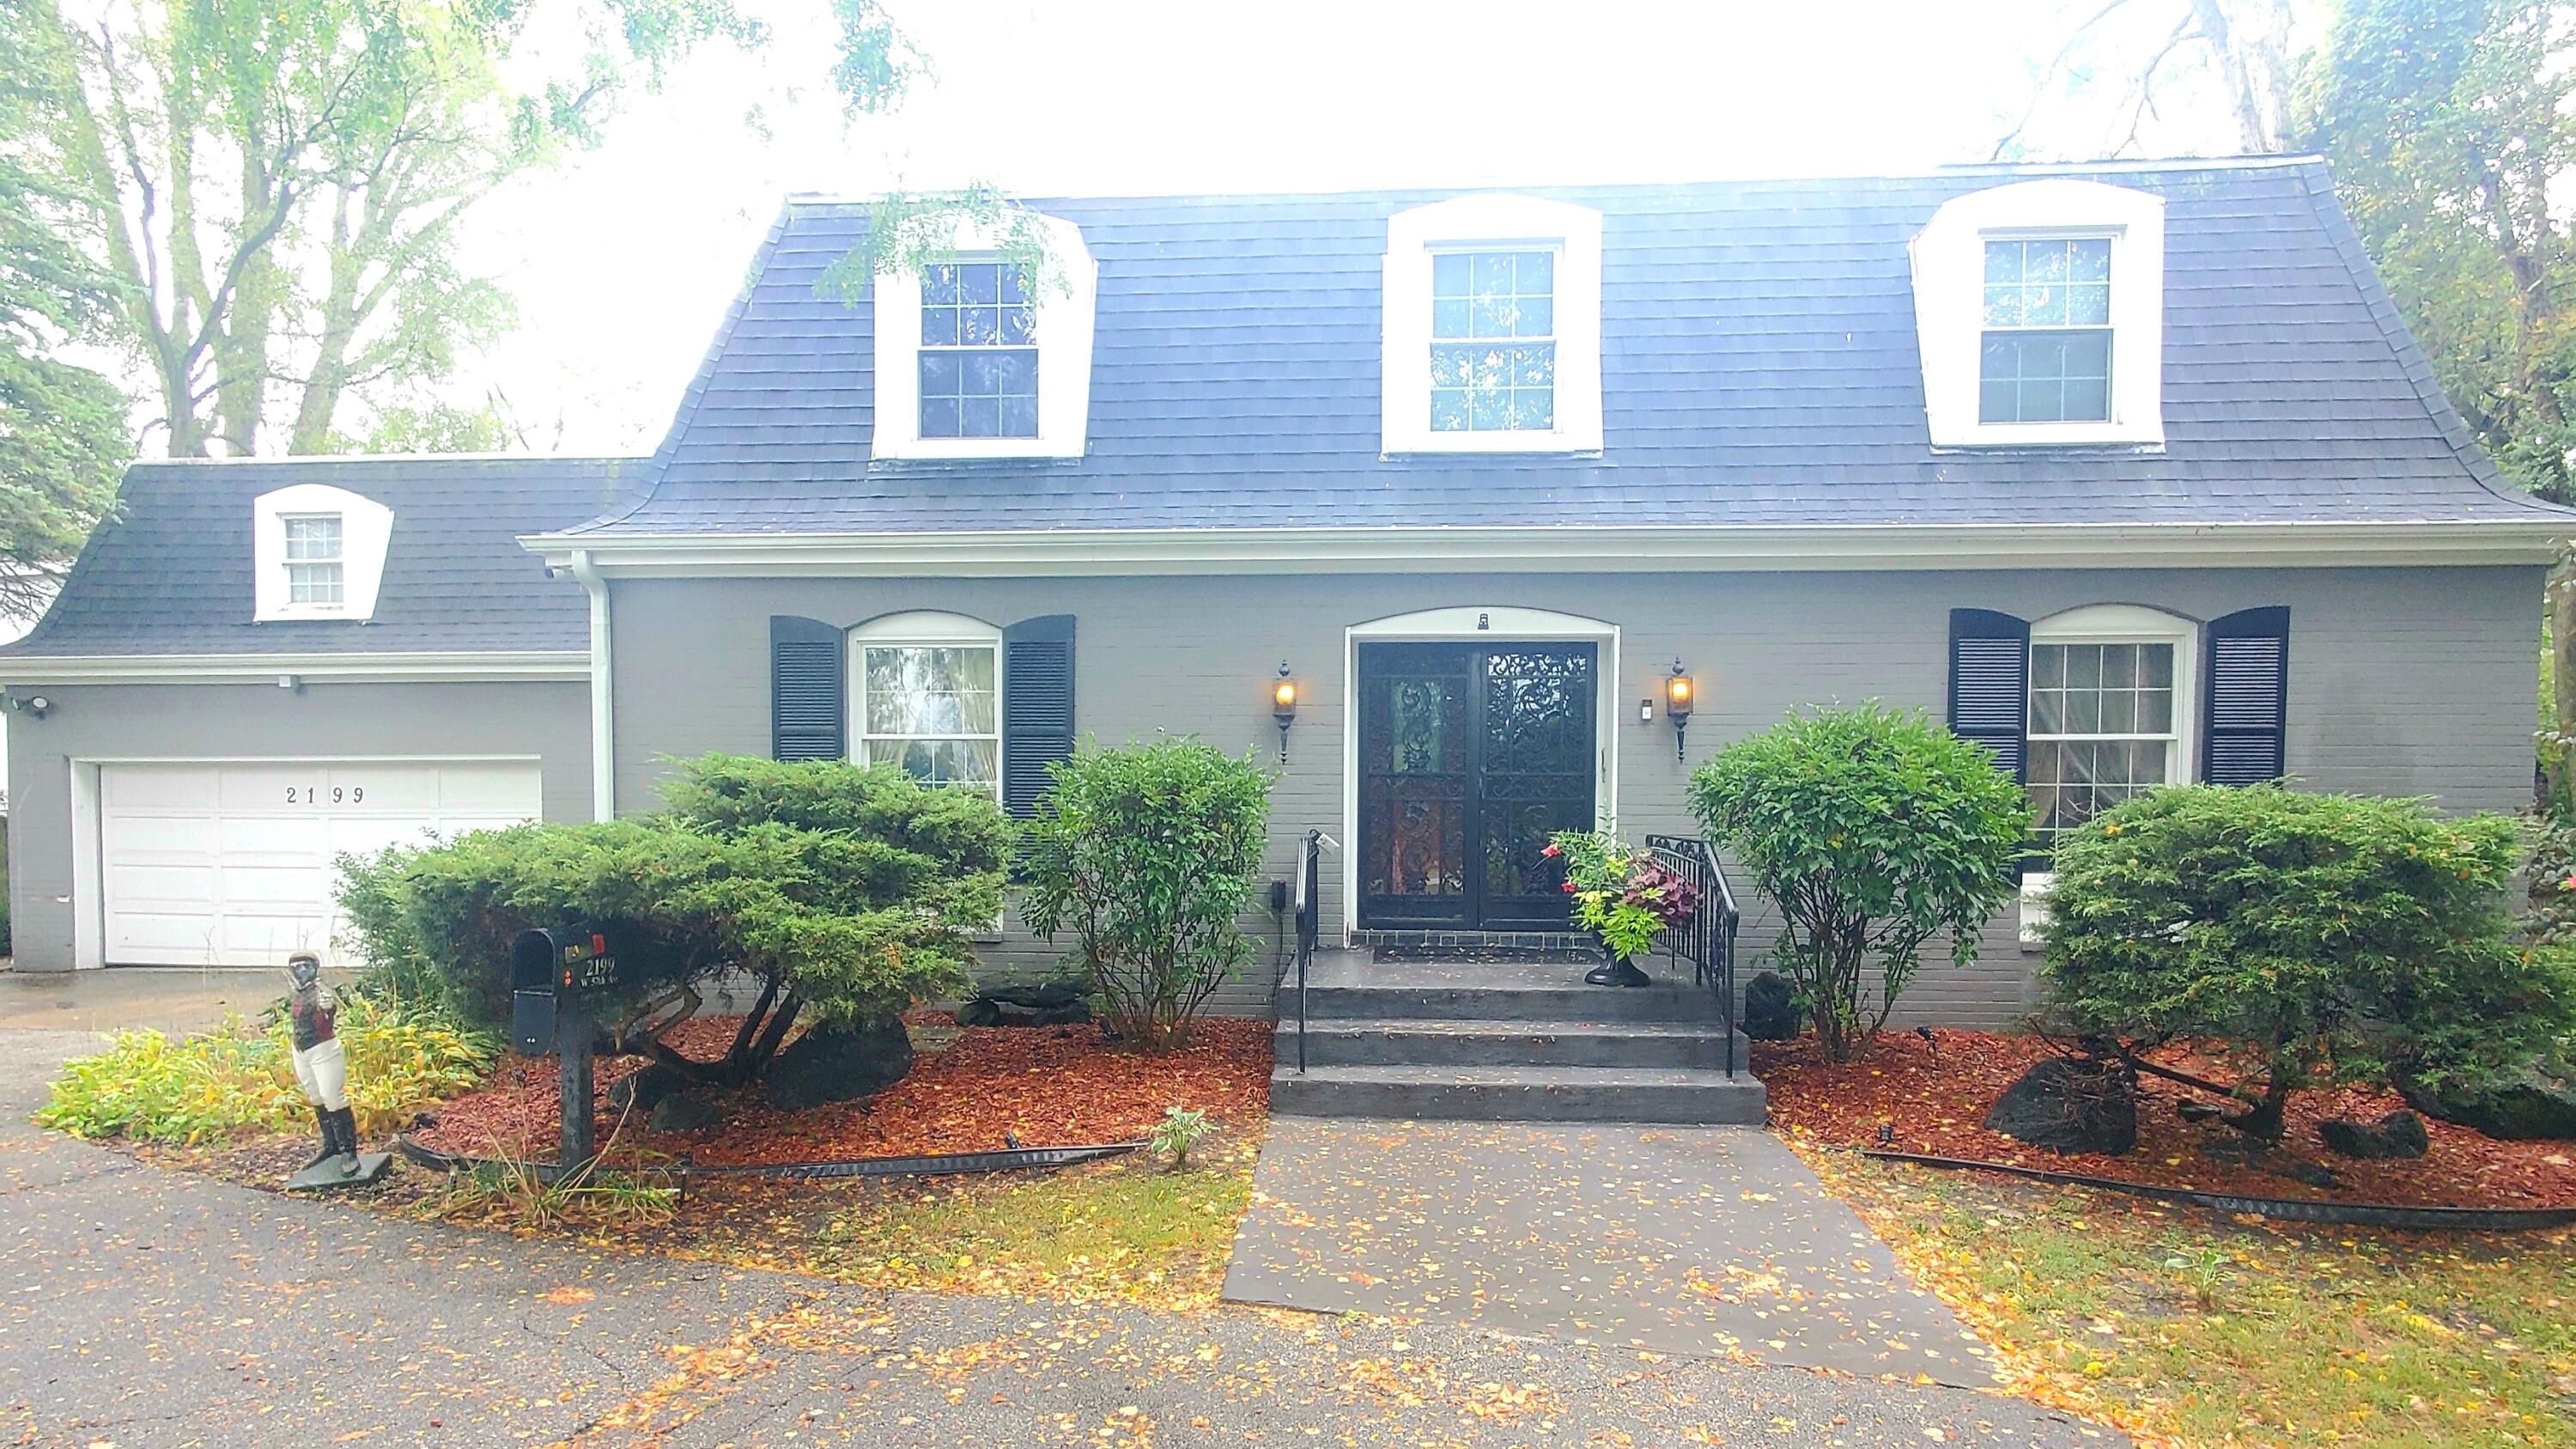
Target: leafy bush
[[238, 1079], [1626, 895], [1874, 830], [2306, 936], [1148, 855], [847, 891]]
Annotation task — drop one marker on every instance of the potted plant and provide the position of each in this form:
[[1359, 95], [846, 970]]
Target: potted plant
[[1623, 897]]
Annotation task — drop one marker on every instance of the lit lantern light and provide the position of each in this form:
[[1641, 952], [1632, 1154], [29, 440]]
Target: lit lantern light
[[1679, 695], [1283, 706]]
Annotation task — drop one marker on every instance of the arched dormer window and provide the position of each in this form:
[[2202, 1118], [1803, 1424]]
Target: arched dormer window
[[2039, 308], [1492, 322], [317, 552], [975, 358]]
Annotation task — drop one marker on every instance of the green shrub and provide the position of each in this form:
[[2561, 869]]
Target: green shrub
[[1148, 855], [2306, 936], [238, 1078], [849, 892], [1874, 830]]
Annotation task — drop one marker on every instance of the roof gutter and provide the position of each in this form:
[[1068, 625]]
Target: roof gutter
[[603, 695], [342, 668], [1559, 549]]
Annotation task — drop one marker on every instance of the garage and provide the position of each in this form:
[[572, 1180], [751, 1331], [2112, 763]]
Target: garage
[[229, 863]]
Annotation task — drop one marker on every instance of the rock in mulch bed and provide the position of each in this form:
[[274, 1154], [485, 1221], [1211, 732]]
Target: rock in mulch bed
[[1938, 1104], [968, 1091], [2066, 1104], [2399, 1134]]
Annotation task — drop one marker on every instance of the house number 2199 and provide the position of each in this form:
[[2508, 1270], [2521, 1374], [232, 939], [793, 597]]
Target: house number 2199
[[340, 795]]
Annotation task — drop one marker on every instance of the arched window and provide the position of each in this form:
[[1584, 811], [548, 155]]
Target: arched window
[[2112, 709], [926, 695]]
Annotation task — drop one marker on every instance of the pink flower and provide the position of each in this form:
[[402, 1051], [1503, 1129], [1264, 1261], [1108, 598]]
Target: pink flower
[[1551, 852], [1569, 887]]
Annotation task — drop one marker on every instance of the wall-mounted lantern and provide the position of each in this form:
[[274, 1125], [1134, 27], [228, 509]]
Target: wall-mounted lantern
[[1283, 706], [33, 704], [1679, 695]]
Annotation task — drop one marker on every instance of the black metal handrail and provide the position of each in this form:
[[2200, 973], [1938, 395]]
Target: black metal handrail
[[1707, 939], [1308, 906]]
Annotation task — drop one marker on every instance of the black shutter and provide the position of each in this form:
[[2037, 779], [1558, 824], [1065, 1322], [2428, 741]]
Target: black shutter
[[1037, 707], [1990, 684], [806, 697], [2245, 704]]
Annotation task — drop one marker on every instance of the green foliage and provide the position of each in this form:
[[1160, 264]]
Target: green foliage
[[1874, 830], [1626, 895], [854, 889], [1178, 1132], [1148, 855], [909, 231], [239, 1079], [2306, 936]]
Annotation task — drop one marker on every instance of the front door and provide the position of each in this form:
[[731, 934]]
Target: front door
[[1471, 755]]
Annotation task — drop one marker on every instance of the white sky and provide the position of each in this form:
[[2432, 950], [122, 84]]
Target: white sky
[[624, 262]]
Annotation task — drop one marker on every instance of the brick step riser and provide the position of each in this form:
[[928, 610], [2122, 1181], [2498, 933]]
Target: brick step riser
[[1331, 1044], [1536, 1004], [1719, 1102]]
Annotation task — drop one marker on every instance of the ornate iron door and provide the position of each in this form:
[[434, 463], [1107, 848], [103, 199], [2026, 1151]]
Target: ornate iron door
[[1471, 755]]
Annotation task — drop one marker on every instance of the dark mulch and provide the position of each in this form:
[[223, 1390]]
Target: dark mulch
[[1937, 1103], [1051, 1086]]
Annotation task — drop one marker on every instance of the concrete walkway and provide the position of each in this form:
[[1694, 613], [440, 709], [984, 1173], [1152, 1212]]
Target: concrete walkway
[[1708, 1240]]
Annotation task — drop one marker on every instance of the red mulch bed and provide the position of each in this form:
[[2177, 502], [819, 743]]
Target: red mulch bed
[[1060, 1086], [1938, 1107]]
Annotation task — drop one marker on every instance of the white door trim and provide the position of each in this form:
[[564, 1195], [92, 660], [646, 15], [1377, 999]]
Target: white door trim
[[1467, 624]]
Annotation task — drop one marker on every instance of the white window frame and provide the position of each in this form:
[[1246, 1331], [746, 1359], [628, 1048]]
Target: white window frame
[[366, 532], [1949, 263], [1491, 223], [337, 562], [920, 630], [2117, 624], [1067, 294]]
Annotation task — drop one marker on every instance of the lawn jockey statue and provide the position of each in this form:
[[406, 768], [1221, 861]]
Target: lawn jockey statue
[[312, 1014]]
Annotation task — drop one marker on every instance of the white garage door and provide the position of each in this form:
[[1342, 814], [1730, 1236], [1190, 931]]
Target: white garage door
[[230, 864]]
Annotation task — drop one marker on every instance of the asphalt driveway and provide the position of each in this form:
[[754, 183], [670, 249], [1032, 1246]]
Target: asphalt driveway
[[144, 1307]]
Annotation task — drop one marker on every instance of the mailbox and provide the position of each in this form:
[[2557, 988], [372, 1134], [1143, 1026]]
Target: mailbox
[[547, 966]]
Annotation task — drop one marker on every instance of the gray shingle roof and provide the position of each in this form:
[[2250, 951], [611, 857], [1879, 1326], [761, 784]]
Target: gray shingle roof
[[1758, 368], [172, 573]]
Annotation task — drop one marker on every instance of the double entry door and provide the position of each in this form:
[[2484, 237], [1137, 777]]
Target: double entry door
[[1471, 756]]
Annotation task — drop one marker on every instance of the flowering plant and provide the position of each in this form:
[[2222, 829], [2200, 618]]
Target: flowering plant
[[1626, 895]]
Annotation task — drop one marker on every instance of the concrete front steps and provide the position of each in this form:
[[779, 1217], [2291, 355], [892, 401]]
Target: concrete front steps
[[1505, 1041]]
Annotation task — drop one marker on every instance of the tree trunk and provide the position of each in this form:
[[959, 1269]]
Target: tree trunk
[[2561, 594]]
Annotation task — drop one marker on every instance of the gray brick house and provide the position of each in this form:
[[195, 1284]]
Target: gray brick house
[[2130, 471]]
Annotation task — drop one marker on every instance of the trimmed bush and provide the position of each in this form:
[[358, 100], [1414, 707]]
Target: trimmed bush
[[1148, 856], [2309, 937], [1874, 830]]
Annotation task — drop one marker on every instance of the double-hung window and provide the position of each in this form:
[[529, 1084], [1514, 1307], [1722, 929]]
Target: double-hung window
[[1493, 341], [931, 706], [2105, 724], [2045, 349], [313, 559], [979, 359]]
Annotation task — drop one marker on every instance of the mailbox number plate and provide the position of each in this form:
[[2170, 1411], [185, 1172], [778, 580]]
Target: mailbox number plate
[[587, 967]]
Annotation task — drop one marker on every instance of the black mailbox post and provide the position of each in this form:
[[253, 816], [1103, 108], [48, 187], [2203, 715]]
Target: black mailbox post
[[553, 975]]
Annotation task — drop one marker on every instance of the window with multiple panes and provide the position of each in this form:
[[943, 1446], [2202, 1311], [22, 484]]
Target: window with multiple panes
[[2104, 725], [313, 562], [934, 710], [979, 356], [2045, 354], [1493, 341]]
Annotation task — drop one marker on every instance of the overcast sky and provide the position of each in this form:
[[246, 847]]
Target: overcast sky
[[624, 263]]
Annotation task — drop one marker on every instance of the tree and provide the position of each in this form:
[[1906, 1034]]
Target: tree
[[63, 430], [847, 892], [277, 189], [2305, 937], [2104, 89], [1874, 831]]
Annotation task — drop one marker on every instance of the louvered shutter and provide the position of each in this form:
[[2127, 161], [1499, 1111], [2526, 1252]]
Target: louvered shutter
[[807, 700], [1990, 684], [2245, 703], [1037, 707]]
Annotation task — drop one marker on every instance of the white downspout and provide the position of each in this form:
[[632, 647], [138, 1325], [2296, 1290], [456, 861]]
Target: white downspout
[[603, 697]]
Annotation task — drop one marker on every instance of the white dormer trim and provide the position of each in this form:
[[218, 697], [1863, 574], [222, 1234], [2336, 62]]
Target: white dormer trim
[[366, 530], [1412, 238], [1068, 295], [1949, 304]]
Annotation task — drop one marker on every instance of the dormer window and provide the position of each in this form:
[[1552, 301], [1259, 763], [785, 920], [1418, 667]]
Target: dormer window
[[313, 569], [978, 357], [2039, 307], [2046, 353], [1492, 327]]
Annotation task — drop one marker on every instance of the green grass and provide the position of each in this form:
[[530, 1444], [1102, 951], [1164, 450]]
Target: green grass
[[2186, 1329]]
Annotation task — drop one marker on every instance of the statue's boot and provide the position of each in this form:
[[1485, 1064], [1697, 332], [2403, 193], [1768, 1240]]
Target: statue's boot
[[346, 1132], [326, 1122]]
